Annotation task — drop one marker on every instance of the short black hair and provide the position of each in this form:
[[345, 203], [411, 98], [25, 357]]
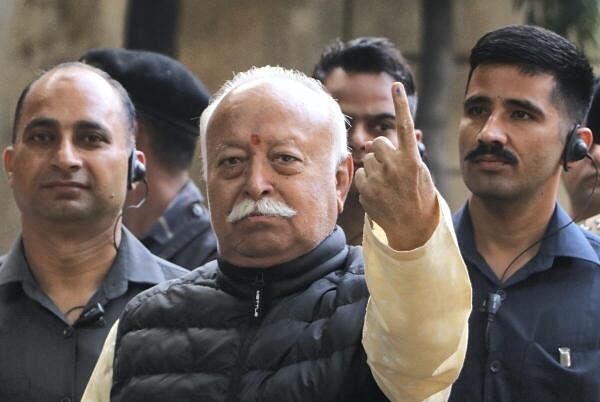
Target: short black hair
[[173, 147], [127, 105], [366, 55], [535, 50]]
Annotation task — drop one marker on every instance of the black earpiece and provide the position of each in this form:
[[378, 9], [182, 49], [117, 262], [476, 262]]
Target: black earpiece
[[136, 171], [575, 148], [421, 148]]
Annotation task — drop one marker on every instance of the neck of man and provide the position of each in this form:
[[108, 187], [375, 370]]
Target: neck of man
[[580, 213], [69, 262], [163, 187], [352, 218], [504, 228]]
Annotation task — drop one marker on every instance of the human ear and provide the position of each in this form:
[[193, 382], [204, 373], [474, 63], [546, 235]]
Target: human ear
[[343, 179], [586, 135], [7, 157], [137, 172], [419, 135]]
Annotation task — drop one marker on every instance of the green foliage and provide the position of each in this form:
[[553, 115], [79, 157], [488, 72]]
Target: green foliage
[[575, 19]]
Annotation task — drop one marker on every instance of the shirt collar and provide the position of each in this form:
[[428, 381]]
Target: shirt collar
[[14, 267], [163, 230], [290, 276], [133, 263], [568, 240]]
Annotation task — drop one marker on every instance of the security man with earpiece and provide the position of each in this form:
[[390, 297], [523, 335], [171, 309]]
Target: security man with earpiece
[[582, 181], [535, 322], [172, 221], [74, 266]]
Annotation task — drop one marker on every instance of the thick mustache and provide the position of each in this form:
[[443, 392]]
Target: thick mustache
[[493, 149], [265, 206]]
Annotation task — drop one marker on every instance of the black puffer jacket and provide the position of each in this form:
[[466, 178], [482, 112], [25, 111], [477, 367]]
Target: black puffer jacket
[[225, 333]]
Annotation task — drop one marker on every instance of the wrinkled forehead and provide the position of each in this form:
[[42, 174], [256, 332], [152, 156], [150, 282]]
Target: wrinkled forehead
[[270, 102]]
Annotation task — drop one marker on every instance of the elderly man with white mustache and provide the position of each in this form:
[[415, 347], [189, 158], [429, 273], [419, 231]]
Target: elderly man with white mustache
[[280, 316]]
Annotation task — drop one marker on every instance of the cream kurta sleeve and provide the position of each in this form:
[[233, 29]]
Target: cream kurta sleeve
[[98, 388], [416, 326]]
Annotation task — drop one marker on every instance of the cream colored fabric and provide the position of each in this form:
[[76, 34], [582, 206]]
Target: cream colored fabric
[[416, 325], [98, 388]]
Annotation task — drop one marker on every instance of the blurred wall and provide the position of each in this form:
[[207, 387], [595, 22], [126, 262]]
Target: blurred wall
[[36, 35], [216, 39]]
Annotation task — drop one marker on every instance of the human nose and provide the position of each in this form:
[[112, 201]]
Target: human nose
[[259, 181], [358, 136], [492, 131], [67, 157]]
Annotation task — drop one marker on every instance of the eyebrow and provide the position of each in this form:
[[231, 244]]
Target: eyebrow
[[378, 116], [525, 104], [54, 123], [475, 100], [41, 122], [517, 103], [92, 125]]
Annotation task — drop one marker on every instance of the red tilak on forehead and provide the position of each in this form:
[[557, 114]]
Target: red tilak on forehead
[[254, 139]]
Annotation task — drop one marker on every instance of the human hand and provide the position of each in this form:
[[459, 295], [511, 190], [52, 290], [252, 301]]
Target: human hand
[[396, 189]]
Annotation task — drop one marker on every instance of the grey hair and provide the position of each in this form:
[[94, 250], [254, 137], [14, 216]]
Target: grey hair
[[339, 140]]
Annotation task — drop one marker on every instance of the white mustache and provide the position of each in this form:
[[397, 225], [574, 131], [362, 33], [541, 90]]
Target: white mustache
[[264, 206]]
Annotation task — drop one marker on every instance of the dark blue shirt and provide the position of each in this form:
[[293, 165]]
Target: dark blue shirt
[[552, 302], [183, 234], [42, 356]]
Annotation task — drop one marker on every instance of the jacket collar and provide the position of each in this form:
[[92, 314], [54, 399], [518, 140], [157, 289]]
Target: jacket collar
[[180, 213], [287, 277]]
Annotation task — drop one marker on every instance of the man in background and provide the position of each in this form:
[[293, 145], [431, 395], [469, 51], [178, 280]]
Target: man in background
[[172, 221], [581, 180], [74, 267], [359, 75]]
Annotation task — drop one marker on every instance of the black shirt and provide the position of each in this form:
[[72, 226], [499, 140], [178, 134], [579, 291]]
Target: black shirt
[[183, 234], [552, 302], [43, 358]]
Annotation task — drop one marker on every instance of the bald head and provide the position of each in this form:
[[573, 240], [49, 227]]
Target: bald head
[[70, 71], [285, 87]]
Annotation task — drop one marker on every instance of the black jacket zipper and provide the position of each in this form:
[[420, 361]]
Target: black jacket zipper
[[257, 314]]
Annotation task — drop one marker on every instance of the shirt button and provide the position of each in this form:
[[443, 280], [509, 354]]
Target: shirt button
[[68, 332], [197, 210], [495, 366], [66, 399]]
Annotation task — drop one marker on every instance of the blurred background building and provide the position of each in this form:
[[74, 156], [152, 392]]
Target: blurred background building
[[217, 38]]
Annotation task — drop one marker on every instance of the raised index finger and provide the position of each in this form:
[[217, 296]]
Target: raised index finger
[[405, 128]]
